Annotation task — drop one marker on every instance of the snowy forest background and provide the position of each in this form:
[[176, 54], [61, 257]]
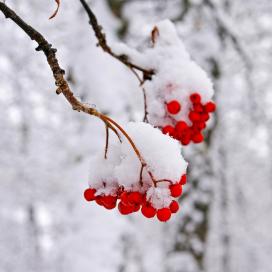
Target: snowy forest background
[[225, 219]]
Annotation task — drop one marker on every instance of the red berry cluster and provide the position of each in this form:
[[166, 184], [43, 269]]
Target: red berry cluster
[[199, 114], [130, 202]]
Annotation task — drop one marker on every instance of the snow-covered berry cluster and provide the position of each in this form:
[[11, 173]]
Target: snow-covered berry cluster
[[179, 94], [149, 186]]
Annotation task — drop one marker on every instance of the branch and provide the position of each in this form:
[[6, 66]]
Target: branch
[[102, 42], [58, 73]]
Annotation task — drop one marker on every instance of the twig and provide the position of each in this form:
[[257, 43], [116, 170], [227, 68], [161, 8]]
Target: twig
[[107, 141]]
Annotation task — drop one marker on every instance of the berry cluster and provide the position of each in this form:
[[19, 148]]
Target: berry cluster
[[134, 201], [198, 114]]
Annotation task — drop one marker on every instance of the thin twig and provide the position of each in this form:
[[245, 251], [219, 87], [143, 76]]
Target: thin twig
[[107, 141], [141, 175]]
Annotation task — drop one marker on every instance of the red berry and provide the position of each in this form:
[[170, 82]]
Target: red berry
[[89, 194], [99, 200], [181, 126], [195, 98], [135, 198], [176, 190], [183, 180], [173, 107], [164, 214], [148, 211], [123, 209], [186, 138], [197, 138], [109, 202], [204, 117], [174, 206], [194, 116], [200, 125], [136, 207], [168, 130], [124, 198], [198, 108], [210, 107]]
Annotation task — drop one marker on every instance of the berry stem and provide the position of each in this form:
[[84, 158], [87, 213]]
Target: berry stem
[[141, 175], [164, 180], [107, 141]]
